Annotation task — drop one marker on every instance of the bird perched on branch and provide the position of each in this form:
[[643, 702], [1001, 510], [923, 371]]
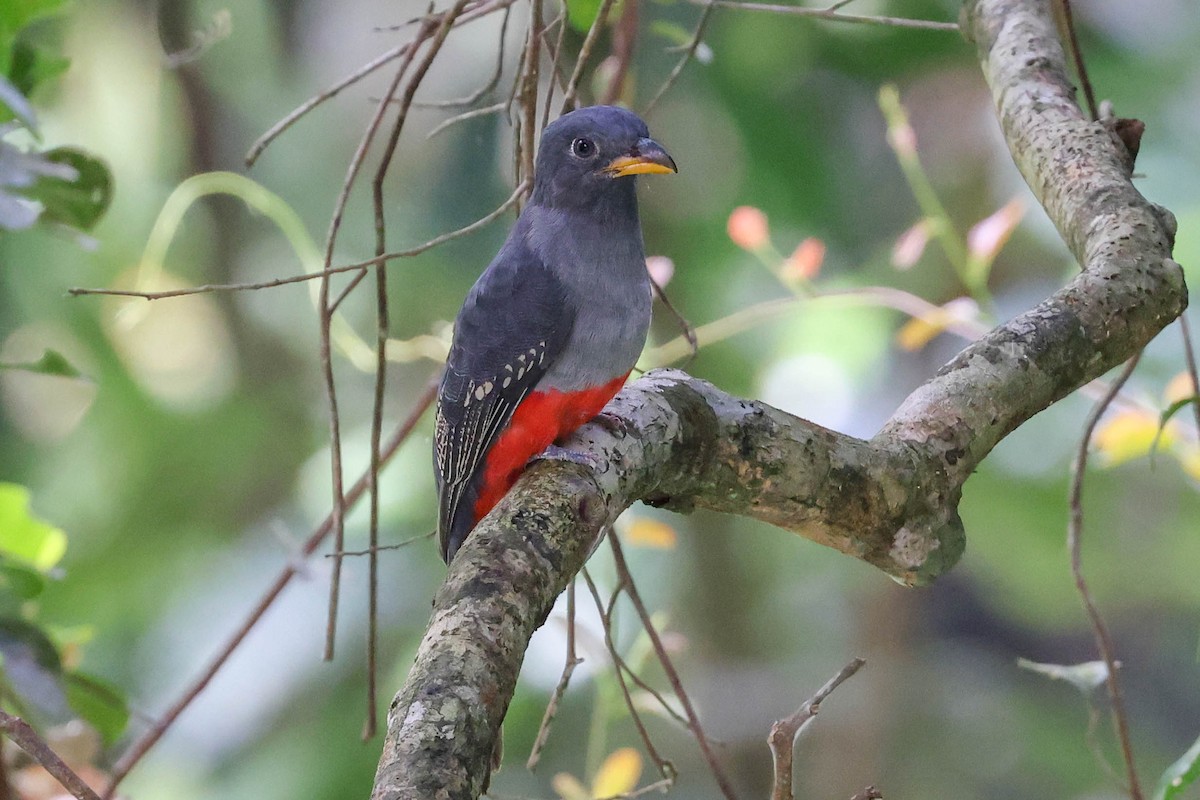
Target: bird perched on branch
[[554, 325]]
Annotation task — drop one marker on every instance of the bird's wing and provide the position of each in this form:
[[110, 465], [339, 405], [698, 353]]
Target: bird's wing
[[510, 330]]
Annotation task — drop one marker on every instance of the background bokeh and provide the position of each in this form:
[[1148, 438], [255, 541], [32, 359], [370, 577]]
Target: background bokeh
[[190, 465]]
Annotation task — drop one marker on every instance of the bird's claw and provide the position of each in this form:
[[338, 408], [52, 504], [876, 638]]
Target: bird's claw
[[613, 423]]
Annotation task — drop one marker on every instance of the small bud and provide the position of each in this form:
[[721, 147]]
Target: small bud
[[988, 235], [805, 261], [747, 228], [911, 245]]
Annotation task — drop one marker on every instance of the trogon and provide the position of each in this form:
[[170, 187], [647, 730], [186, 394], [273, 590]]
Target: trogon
[[554, 325]]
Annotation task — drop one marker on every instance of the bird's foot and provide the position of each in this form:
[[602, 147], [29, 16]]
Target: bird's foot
[[556, 453], [613, 423]]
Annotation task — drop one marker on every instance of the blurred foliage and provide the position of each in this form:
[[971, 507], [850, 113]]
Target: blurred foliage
[[182, 443]]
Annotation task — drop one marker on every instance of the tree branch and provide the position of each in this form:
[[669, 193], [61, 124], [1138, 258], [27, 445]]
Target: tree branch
[[891, 501]]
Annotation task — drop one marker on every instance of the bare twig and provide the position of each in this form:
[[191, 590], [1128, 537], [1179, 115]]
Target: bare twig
[[833, 15], [665, 767], [410, 91], [1074, 546], [326, 311], [527, 97], [1067, 23], [261, 144], [572, 661], [782, 738], [309, 276], [688, 54], [28, 740], [593, 35], [556, 75], [1189, 355], [477, 95], [496, 108], [130, 758], [624, 42], [687, 331], [385, 547], [669, 668]]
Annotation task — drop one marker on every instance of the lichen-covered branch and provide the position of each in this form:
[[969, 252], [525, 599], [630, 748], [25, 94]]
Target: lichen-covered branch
[[892, 501]]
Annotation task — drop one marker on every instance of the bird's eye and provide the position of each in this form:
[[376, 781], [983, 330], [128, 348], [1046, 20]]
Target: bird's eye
[[583, 148]]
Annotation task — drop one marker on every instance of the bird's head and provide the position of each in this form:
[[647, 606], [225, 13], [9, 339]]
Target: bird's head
[[588, 157]]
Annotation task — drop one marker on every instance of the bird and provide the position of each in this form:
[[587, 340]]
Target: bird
[[555, 323]]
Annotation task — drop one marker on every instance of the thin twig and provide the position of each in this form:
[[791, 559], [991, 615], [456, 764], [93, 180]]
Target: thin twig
[[572, 661], [688, 54], [687, 331], [669, 668], [309, 276], [624, 42], [825, 13], [385, 547], [28, 740], [466, 115], [1067, 21], [260, 144], [381, 301], [665, 767], [1074, 546], [1189, 356], [528, 94], [130, 758], [556, 74], [478, 94], [593, 35], [782, 738], [326, 311]]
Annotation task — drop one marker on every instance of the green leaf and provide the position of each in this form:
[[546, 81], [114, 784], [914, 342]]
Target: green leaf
[[23, 536], [20, 581], [16, 14], [31, 666], [582, 13], [1170, 411], [32, 66], [52, 362], [78, 202], [1180, 775], [99, 703]]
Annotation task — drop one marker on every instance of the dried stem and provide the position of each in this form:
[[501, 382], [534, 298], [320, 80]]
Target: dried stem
[[589, 42], [1067, 23], [572, 661], [833, 15], [130, 758], [669, 668], [1189, 355], [1074, 546], [326, 310], [624, 42], [665, 767], [782, 738], [28, 740], [688, 54], [261, 144], [309, 276]]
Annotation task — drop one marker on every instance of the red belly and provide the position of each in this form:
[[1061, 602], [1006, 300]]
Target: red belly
[[540, 420]]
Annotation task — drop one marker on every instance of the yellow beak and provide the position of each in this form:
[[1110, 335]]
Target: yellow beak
[[647, 157]]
